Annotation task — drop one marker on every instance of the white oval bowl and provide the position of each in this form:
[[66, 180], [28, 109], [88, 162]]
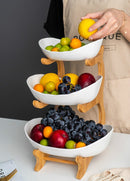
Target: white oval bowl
[[87, 51], [91, 150], [82, 96]]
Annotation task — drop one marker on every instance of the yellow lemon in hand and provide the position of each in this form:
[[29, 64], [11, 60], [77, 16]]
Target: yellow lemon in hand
[[49, 77], [84, 26], [73, 77]]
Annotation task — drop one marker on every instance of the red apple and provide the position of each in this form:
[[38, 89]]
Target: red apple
[[37, 132], [86, 79], [58, 139], [39, 127], [37, 136]]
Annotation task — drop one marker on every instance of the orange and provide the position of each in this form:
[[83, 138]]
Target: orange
[[80, 144], [47, 131], [84, 26], [55, 49], [75, 43], [38, 87]]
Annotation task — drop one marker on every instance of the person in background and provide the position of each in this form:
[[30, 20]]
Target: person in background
[[113, 22]]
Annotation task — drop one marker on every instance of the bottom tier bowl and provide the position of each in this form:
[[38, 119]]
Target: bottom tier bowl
[[87, 151]]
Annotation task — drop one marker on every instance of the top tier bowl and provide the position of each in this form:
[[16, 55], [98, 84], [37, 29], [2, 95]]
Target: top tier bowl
[[87, 51]]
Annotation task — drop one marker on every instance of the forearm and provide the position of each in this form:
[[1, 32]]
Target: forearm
[[125, 28]]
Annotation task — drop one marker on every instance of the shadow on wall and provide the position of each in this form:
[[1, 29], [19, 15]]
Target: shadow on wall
[[21, 28]]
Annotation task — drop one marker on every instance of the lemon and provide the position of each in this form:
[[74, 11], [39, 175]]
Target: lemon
[[74, 78], [84, 26], [50, 86], [49, 77]]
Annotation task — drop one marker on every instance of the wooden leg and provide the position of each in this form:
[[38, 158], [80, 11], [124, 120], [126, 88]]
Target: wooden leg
[[61, 68], [47, 61], [101, 112], [40, 161], [87, 106], [38, 104], [82, 163]]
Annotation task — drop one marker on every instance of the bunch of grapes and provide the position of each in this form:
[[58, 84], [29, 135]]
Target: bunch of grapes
[[64, 118], [66, 87]]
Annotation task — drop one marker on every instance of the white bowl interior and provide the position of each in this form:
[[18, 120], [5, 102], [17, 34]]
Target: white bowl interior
[[87, 51], [87, 151], [79, 97]]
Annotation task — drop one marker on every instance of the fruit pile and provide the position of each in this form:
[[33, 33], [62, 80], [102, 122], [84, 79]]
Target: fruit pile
[[50, 83], [62, 128], [66, 44]]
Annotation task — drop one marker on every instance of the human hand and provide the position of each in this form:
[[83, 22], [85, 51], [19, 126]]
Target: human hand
[[109, 22]]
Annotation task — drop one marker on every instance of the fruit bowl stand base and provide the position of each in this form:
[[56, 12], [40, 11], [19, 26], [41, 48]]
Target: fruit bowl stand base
[[81, 162]]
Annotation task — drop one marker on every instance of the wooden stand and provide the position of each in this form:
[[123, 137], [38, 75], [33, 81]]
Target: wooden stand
[[81, 162]]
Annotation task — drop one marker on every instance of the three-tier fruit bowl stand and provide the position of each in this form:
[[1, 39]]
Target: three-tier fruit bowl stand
[[81, 161]]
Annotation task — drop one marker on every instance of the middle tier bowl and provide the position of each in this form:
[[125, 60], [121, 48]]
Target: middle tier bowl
[[82, 96]]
